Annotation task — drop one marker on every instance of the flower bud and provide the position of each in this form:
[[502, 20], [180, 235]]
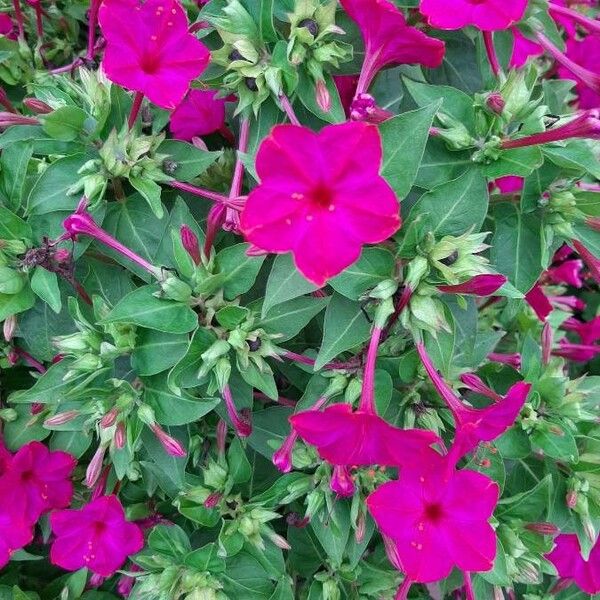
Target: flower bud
[[190, 242], [341, 482], [37, 106], [9, 326], [212, 500], [282, 458], [495, 102], [322, 96], [120, 434], [543, 528], [170, 444], [110, 418], [175, 289], [8, 415], [95, 467], [61, 418], [571, 499]]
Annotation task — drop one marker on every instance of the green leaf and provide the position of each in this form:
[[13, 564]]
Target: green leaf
[[206, 559], [289, 318], [191, 161], [19, 432], [49, 193], [285, 283], [240, 270], [332, 529], [12, 304], [13, 227], [174, 409], [141, 307], [517, 246], [452, 208], [527, 505], [266, 28], [578, 155], [374, 266], [265, 382], [65, 123], [185, 373], [519, 162], [170, 470], [557, 442], [170, 541], [14, 161], [440, 165], [45, 285], [345, 327], [240, 469], [307, 95], [73, 442], [150, 191], [404, 138], [157, 351]]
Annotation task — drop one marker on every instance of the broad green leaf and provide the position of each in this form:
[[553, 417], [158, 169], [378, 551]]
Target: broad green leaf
[[528, 505], [556, 442], [404, 138], [345, 327], [206, 559], [307, 95], [285, 283], [141, 307], [19, 432], [440, 165], [240, 270], [151, 192], [518, 162], [578, 155], [14, 161], [170, 541], [156, 351], [185, 373], [517, 246], [45, 286], [374, 266], [12, 304], [170, 470], [65, 123], [332, 529], [289, 318], [49, 193], [13, 227], [189, 160]]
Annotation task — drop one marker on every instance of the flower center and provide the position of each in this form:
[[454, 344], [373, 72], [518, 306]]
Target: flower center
[[434, 512], [26, 475], [321, 196], [149, 62]]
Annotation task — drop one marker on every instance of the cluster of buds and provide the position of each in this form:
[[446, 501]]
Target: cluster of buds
[[128, 155], [91, 347], [251, 523]]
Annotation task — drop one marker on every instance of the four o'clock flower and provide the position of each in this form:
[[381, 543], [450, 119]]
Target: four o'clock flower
[[437, 519], [200, 113], [475, 425], [389, 40], [539, 302], [16, 530], [588, 332], [97, 537], [480, 285], [39, 479], [345, 437], [487, 15], [321, 197], [570, 564], [568, 272], [591, 262], [149, 50], [585, 54]]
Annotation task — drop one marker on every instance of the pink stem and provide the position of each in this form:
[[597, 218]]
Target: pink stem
[[32, 362], [306, 360], [66, 68], [135, 108], [590, 24], [200, 192], [470, 595], [5, 102], [402, 593], [490, 50], [280, 400], [367, 398], [92, 22], [19, 18], [588, 187], [38, 21], [288, 109], [232, 216]]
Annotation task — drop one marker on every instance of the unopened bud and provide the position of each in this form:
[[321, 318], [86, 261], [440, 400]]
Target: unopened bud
[[359, 532], [547, 336], [543, 528], [62, 255], [190, 242], [37, 106], [110, 418], [212, 500], [322, 96], [61, 418], [495, 102], [95, 467], [9, 326], [221, 436], [571, 499], [341, 482], [120, 434], [279, 541], [172, 446]]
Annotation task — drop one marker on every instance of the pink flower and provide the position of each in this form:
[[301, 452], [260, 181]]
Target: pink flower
[[5, 457], [487, 15], [341, 482], [321, 197], [587, 54], [576, 352], [523, 50], [346, 87], [345, 437], [200, 113], [40, 479], [389, 40], [510, 184], [97, 537], [480, 285], [536, 298], [168, 442], [149, 49], [569, 563], [7, 27], [588, 332], [16, 530], [437, 519], [591, 262], [568, 272], [476, 425]]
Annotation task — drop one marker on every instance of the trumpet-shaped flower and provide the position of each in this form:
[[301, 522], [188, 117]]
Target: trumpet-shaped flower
[[569, 563], [149, 49], [437, 519], [15, 529], [97, 537], [487, 15], [321, 197], [200, 113]]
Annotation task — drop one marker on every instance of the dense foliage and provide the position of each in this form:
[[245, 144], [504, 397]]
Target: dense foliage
[[299, 299]]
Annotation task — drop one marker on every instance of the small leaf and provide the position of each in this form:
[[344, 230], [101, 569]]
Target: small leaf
[[45, 285]]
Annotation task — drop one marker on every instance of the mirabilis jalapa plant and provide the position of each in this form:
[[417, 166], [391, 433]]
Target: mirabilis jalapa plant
[[299, 300]]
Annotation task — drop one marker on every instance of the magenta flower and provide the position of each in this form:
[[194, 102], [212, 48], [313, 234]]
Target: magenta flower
[[200, 113], [523, 50], [40, 479], [588, 332], [346, 87], [149, 49], [321, 197], [341, 482], [480, 285], [389, 40], [475, 425], [487, 15], [97, 537], [5, 457], [7, 27], [16, 530], [569, 563], [345, 437], [437, 519], [510, 184], [586, 53], [576, 352], [591, 262], [539, 302], [568, 272]]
